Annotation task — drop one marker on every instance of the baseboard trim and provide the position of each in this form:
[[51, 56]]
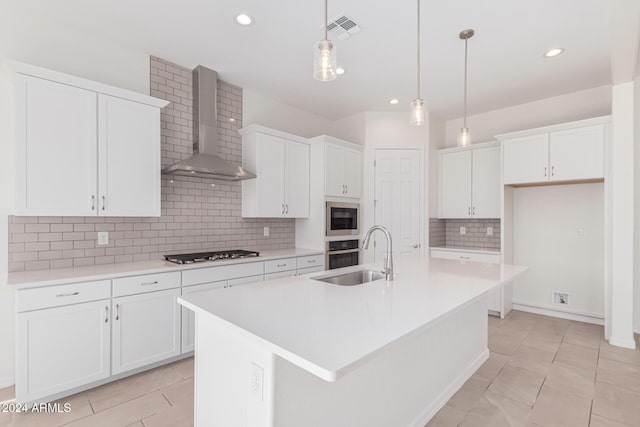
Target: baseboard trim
[[586, 318], [623, 343], [7, 382], [430, 411]]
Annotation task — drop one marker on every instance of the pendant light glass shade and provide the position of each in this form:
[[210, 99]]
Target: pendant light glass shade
[[325, 61], [464, 138], [417, 112]]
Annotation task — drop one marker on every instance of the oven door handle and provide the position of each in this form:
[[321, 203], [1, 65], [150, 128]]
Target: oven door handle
[[344, 251]]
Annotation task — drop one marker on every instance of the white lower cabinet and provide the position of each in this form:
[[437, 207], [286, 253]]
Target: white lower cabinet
[[245, 280], [189, 317], [499, 300], [280, 275], [146, 329], [62, 348], [308, 270]]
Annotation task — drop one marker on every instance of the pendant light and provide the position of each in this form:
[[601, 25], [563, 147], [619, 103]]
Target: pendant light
[[417, 106], [324, 57], [464, 138]]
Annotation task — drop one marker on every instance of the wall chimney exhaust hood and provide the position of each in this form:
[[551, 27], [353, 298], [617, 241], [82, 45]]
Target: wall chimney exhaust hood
[[206, 162]]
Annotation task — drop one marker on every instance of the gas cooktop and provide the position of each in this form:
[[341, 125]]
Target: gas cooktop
[[210, 256]]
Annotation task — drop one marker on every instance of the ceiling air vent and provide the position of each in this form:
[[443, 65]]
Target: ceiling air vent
[[342, 27]]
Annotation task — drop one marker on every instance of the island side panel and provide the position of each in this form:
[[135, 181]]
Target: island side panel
[[233, 378], [405, 385]]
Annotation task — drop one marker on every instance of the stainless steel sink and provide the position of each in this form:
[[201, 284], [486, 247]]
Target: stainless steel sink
[[351, 279]]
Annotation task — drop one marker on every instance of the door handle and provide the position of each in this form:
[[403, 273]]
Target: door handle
[[117, 311], [346, 189], [283, 209], [93, 202], [473, 211], [106, 314], [416, 246], [71, 294], [545, 171], [553, 172], [469, 210], [104, 202], [287, 210]]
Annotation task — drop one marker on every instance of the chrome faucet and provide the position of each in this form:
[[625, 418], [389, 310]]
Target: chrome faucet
[[388, 266]]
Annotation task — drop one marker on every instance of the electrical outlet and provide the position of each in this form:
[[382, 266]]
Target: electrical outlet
[[489, 231], [266, 232], [463, 230], [103, 238], [560, 298], [257, 379], [580, 232]]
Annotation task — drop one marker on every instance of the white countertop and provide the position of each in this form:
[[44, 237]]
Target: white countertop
[[329, 330], [40, 278], [467, 249]]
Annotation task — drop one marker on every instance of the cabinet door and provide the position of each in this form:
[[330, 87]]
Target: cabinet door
[[352, 172], [526, 160], [56, 149], [189, 317], [455, 184], [62, 348], [334, 184], [146, 329], [296, 180], [485, 188], [577, 153], [129, 158], [270, 171]]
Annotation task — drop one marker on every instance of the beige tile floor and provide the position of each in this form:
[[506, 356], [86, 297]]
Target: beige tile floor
[[542, 372]]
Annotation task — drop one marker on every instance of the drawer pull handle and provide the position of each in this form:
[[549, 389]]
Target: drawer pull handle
[[311, 261], [71, 294], [106, 314], [117, 311], [281, 265], [155, 282], [465, 257]]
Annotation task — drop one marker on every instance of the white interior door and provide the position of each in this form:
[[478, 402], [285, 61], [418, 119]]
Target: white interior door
[[398, 204]]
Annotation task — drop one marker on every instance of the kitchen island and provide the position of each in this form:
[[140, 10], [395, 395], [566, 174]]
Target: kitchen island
[[298, 351]]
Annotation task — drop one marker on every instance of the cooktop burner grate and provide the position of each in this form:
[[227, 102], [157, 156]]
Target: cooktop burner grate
[[210, 256]]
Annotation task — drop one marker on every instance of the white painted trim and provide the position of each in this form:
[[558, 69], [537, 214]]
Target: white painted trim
[[622, 343], [337, 141], [555, 128], [430, 411], [471, 147], [273, 132], [43, 73], [546, 311]]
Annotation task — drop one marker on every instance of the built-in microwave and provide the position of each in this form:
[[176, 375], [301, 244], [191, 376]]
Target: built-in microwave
[[343, 219], [342, 253]]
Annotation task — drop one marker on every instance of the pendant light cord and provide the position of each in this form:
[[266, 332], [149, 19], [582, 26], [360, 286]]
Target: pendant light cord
[[325, 20], [465, 82], [418, 44]]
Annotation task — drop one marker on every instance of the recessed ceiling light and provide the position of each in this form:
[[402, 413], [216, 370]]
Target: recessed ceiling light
[[393, 101], [553, 52], [340, 71], [243, 19]]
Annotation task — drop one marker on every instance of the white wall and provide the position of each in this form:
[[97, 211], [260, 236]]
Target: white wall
[[546, 221], [564, 108], [637, 201], [437, 140], [27, 38]]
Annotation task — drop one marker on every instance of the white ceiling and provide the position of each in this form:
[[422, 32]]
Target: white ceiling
[[274, 55]]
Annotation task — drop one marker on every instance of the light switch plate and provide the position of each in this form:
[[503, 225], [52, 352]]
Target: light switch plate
[[103, 238]]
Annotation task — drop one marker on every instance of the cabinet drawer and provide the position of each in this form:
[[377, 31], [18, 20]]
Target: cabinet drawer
[[280, 275], [55, 296], [225, 272], [310, 261], [466, 256], [146, 283], [310, 270], [245, 281], [277, 265]]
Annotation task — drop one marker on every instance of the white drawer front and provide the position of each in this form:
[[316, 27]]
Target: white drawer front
[[225, 272], [279, 275], [466, 256], [310, 261], [278, 265], [145, 283], [54, 296], [310, 270], [245, 281]]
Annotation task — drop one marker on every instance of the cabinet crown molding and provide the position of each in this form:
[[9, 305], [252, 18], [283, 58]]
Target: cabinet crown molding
[[255, 128], [469, 148], [555, 128], [68, 79]]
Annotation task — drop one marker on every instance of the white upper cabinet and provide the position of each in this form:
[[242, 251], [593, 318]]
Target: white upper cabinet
[[129, 158], [56, 169], [84, 148], [570, 152], [343, 171], [470, 182], [281, 189]]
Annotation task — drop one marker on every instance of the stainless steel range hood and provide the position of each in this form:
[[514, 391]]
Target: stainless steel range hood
[[205, 161]]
